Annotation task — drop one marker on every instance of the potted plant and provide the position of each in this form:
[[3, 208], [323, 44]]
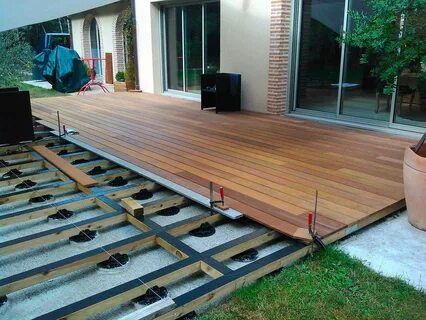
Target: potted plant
[[119, 83], [415, 183]]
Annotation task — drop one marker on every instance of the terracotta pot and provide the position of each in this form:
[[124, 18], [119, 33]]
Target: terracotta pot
[[415, 186], [119, 86]]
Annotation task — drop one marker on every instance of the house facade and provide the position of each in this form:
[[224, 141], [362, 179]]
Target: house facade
[[99, 31], [286, 51]]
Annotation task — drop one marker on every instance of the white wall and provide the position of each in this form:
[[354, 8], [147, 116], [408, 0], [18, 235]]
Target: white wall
[[106, 18], [244, 42], [77, 34], [149, 45]]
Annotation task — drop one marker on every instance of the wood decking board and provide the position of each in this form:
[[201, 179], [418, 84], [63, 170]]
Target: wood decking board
[[79, 176], [270, 166]]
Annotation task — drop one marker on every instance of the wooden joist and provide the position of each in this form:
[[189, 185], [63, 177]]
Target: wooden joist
[[59, 233], [88, 258], [76, 174], [151, 311], [132, 206], [136, 209]]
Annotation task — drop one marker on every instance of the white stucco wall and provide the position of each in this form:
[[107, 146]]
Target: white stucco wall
[[77, 34], [106, 18], [148, 32], [244, 42]]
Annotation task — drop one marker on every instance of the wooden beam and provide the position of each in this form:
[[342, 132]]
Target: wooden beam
[[30, 215], [132, 207], [223, 286], [53, 235], [182, 229], [35, 165], [212, 272], [263, 238], [151, 311], [60, 188], [136, 223], [74, 173], [171, 248], [164, 203], [125, 292], [136, 209], [70, 264], [127, 192]]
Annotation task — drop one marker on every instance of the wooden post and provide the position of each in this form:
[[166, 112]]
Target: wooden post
[[109, 75]]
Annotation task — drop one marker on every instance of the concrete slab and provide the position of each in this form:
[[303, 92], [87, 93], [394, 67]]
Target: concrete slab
[[39, 83], [48, 86], [393, 248]]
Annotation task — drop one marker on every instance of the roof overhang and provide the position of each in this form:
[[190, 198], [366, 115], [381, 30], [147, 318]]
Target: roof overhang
[[15, 14]]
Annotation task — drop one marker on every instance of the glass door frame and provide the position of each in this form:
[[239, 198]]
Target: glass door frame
[[164, 49], [292, 88]]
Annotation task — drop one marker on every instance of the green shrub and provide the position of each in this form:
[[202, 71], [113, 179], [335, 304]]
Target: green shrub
[[391, 47], [15, 58], [120, 77]]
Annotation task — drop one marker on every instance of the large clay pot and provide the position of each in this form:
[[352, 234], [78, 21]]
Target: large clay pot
[[415, 186]]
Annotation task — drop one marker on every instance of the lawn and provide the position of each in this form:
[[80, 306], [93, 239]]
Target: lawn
[[37, 92], [327, 285]]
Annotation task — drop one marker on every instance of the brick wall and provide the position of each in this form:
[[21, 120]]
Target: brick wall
[[278, 55], [118, 41]]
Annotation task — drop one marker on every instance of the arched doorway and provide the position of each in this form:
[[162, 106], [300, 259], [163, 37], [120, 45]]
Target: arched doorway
[[95, 46], [121, 45]]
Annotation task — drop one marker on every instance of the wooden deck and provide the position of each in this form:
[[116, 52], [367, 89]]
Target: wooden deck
[[270, 166]]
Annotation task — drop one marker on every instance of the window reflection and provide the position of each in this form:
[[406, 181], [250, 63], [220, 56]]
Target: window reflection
[[410, 105], [184, 44], [319, 60]]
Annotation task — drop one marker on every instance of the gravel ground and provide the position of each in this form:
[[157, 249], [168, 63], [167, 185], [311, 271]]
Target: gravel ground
[[29, 259]]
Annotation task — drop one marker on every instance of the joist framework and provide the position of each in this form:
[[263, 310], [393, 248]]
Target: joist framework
[[212, 262], [191, 262]]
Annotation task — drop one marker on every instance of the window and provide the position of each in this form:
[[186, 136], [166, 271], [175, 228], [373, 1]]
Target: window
[[329, 80], [95, 46], [192, 45]]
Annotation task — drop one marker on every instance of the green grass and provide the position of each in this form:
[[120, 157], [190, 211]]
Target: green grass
[[37, 92], [328, 285]]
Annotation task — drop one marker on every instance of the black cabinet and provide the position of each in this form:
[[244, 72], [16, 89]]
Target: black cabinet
[[16, 121], [221, 91]]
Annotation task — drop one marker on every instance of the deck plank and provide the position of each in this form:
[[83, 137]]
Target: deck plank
[[270, 166]]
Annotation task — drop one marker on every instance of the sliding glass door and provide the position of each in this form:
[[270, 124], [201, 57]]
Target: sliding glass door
[[319, 65], [173, 18], [191, 45], [329, 80], [362, 93], [193, 54]]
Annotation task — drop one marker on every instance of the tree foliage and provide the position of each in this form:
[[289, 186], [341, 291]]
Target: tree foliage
[[128, 32], [15, 58], [389, 45]]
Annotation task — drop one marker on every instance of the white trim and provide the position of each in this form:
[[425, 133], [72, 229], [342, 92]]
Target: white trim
[[389, 130], [182, 94]]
